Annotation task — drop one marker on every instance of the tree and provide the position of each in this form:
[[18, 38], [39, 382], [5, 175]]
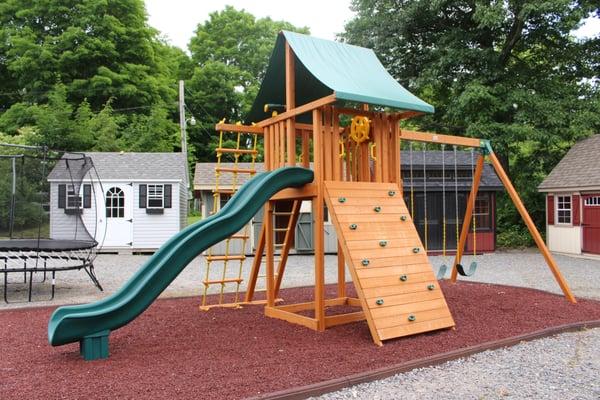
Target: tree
[[101, 51], [509, 71], [231, 52]]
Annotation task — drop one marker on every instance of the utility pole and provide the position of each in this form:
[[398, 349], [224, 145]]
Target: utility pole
[[182, 126]]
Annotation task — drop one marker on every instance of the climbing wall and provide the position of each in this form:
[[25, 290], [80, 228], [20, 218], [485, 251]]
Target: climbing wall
[[390, 269]]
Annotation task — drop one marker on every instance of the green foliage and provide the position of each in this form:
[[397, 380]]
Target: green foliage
[[509, 71], [231, 52], [70, 66]]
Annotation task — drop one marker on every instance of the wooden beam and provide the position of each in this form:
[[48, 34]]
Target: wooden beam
[[431, 137], [340, 319], [268, 223], [291, 317], [318, 226], [305, 192], [239, 128], [467, 218], [532, 228], [299, 110]]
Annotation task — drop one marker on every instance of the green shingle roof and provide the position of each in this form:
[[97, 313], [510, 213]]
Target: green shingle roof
[[354, 73]]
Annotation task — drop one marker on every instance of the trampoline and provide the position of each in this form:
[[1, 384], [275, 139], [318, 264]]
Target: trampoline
[[43, 196]]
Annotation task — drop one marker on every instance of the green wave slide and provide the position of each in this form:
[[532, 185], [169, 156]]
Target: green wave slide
[[91, 324]]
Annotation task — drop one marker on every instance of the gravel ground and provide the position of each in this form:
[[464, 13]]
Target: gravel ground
[[562, 367]]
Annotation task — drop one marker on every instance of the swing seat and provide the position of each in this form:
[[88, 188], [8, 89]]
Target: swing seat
[[442, 272], [470, 272]]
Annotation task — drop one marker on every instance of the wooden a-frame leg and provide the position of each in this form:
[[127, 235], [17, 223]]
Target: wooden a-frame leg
[[258, 255], [467, 218], [532, 228], [270, 250]]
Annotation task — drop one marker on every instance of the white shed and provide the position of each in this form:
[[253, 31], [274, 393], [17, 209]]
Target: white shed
[[141, 200]]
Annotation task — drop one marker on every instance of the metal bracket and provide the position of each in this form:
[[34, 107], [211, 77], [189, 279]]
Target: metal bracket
[[486, 147]]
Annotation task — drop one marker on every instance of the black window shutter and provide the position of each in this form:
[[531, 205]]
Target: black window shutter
[[167, 196], [87, 196], [142, 196], [62, 195]]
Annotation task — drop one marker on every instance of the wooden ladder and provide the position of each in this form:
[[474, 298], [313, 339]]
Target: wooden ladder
[[394, 280], [284, 250]]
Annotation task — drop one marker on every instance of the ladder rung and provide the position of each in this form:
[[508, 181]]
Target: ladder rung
[[238, 151], [282, 213], [264, 276], [223, 281], [236, 170], [280, 229], [230, 191], [224, 258], [239, 237]]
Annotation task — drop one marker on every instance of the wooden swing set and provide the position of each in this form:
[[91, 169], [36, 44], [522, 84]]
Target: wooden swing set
[[357, 176]]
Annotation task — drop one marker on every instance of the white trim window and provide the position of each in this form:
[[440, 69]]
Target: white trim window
[[564, 208], [593, 201], [74, 200], [155, 197]]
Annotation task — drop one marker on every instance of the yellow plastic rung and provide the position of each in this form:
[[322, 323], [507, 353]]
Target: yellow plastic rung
[[229, 191], [239, 237], [280, 229], [236, 170], [282, 213], [223, 281], [224, 258], [235, 151]]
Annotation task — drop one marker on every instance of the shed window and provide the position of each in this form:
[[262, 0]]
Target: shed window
[[563, 209], [593, 201], [223, 199], [73, 198], [155, 196], [482, 212]]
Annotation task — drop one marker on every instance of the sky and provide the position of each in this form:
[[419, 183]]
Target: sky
[[177, 19]]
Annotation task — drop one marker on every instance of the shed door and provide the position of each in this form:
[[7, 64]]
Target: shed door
[[304, 232], [591, 223], [118, 201]]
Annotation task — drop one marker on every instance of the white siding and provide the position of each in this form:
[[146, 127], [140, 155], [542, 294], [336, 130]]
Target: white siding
[[183, 205], [151, 231], [564, 239], [69, 227]]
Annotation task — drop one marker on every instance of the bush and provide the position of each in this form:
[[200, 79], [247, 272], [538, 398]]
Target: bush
[[514, 237]]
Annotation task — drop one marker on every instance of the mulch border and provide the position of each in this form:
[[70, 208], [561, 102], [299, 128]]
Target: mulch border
[[317, 389]]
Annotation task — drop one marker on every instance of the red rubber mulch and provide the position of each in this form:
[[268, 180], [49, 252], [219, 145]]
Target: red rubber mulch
[[175, 351]]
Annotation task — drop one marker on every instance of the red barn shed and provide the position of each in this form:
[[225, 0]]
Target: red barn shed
[[573, 200]]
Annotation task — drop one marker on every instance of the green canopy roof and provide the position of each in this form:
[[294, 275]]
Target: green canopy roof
[[323, 67]]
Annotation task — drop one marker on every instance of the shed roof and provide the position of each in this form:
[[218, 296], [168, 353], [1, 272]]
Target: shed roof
[[579, 169], [323, 67], [134, 166]]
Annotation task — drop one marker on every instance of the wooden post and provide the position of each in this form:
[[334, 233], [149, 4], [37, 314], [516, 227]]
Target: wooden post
[[532, 229], [268, 223], [319, 225], [290, 103], [467, 218]]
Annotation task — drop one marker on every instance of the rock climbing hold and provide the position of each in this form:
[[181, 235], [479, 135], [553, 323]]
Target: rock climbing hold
[[430, 287], [411, 318], [353, 227], [391, 193], [379, 302], [383, 243], [403, 278], [377, 209], [403, 218], [416, 250], [342, 199], [365, 262]]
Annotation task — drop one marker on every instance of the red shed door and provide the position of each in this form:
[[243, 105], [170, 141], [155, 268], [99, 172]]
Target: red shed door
[[591, 223]]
